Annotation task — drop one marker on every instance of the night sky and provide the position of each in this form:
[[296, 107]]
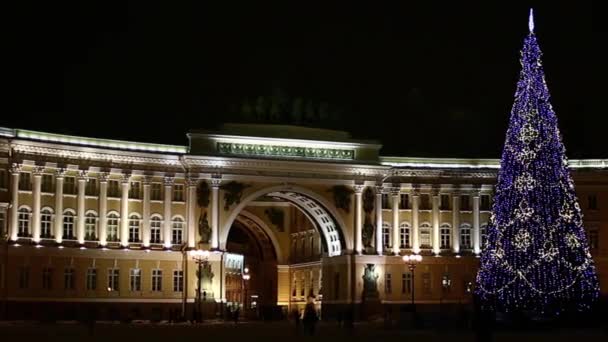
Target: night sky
[[431, 80]]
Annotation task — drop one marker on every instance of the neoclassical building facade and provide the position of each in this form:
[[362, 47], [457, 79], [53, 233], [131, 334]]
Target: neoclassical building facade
[[304, 213]]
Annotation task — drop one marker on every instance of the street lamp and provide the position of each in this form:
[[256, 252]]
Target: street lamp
[[201, 257], [246, 277], [411, 261]]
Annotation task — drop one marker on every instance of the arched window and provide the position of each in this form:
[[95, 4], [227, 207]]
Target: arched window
[[404, 235], [46, 223], [445, 231], [386, 234], [90, 227], [425, 235], [465, 236], [134, 223], [483, 234], [24, 222], [68, 225], [156, 222], [177, 231], [112, 226]]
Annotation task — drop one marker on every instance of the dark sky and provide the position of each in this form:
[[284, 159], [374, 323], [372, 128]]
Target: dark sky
[[430, 80]]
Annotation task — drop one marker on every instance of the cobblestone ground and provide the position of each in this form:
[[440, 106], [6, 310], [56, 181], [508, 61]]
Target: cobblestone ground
[[258, 331]]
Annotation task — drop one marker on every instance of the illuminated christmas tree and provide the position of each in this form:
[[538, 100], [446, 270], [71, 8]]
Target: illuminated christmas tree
[[537, 258]]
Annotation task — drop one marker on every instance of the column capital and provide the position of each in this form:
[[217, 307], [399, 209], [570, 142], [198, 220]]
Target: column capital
[[435, 191], [125, 178], [216, 180], [168, 181], [380, 189], [191, 181], [394, 191], [16, 168], [103, 177], [415, 192], [60, 172], [358, 188], [38, 171], [147, 180], [83, 175]]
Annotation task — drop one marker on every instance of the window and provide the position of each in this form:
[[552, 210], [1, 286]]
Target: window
[[385, 202], [426, 283], [135, 279], [404, 201], [24, 277], [135, 190], [312, 246], [445, 236], [425, 235], [90, 227], [303, 243], [485, 202], [91, 188], [406, 283], [113, 188], [155, 228], [446, 283], [388, 285], [294, 286], [112, 225], [155, 193], [465, 236], [47, 184], [3, 180], [68, 225], [445, 202], [404, 235], [425, 202], [483, 234], [113, 279], [25, 181], [592, 202], [386, 234], [68, 278], [24, 222], [91, 281], [178, 281], [593, 236], [134, 228], [465, 203], [157, 280], [178, 192], [177, 231], [46, 224], [302, 285], [47, 278], [69, 185]]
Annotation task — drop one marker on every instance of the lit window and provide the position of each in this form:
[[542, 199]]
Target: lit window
[[178, 192], [445, 236], [46, 224], [425, 235], [386, 234], [90, 227], [113, 279], [483, 234], [177, 231], [404, 235], [112, 225], [68, 225], [134, 224], [155, 229], [91, 281], [446, 282], [157, 280], [178, 281], [465, 236], [135, 279], [24, 222], [388, 285]]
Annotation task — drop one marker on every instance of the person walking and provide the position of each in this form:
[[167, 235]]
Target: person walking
[[310, 317]]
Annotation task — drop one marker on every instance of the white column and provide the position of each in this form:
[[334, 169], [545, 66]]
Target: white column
[[379, 245], [82, 183], [415, 224], [145, 221], [36, 203], [396, 232], [215, 213], [58, 224], [476, 238], [167, 212], [14, 212], [103, 209], [455, 223], [124, 211], [191, 207], [358, 219], [436, 243]]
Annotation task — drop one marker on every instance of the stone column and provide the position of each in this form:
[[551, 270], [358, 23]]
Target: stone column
[[436, 237], [124, 210], [36, 203], [14, 212], [358, 219], [58, 224], [455, 223], [379, 244], [103, 208], [167, 211], [191, 208], [476, 236], [215, 213], [396, 228], [82, 183], [415, 224], [145, 221]]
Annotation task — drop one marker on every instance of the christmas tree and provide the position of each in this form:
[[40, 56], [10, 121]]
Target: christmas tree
[[537, 258]]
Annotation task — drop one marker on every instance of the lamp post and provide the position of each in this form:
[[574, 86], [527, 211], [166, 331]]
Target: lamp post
[[246, 277], [201, 257], [411, 261]]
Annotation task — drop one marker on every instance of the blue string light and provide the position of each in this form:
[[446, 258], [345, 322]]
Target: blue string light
[[537, 257]]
